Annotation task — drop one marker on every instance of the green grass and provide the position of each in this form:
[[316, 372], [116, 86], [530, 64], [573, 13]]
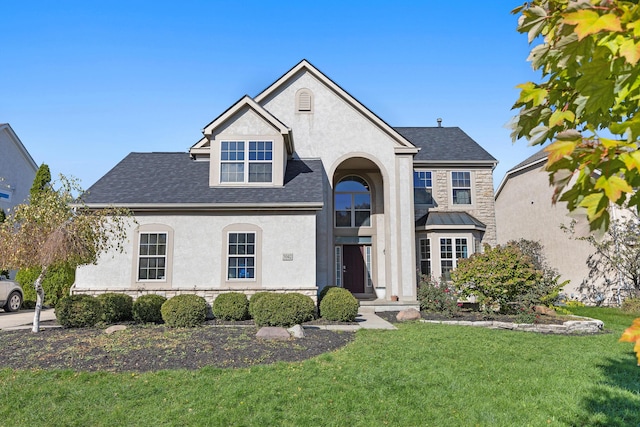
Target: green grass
[[419, 375]]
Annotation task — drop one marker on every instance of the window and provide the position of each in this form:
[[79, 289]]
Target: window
[[425, 256], [447, 260], [461, 185], [338, 257], [241, 256], [422, 188], [242, 161], [152, 259], [352, 203]]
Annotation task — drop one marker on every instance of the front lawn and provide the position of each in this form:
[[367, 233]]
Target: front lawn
[[419, 375]]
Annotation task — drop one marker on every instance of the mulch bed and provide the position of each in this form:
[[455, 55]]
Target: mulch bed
[[477, 316], [143, 348], [152, 348]]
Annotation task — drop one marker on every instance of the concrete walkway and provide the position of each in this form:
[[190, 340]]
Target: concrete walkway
[[365, 321], [23, 319]]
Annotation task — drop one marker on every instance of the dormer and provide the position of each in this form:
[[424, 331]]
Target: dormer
[[246, 146]]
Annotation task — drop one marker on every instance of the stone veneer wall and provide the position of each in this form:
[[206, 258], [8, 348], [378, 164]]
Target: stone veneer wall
[[483, 207]]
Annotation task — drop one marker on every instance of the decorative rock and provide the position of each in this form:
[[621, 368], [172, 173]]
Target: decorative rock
[[273, 333], [114, 328], [296, 331], [408, 314], [541, 309]]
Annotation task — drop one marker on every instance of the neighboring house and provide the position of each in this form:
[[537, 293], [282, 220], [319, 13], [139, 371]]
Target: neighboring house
[[295, 189], [524, 210], [17, 170]]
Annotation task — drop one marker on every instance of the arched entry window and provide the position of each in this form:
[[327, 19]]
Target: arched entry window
[[352, 203]]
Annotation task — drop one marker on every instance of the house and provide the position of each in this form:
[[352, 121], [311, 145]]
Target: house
[[17, 170], [295, 189], [524, 211]]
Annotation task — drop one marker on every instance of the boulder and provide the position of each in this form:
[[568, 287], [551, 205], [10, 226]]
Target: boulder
[[273, 333], [541, 309], [408, 314], [114, 328], [296, 331]]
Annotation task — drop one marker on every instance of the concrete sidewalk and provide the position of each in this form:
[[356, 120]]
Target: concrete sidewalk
[[364, 319], [23, 319]]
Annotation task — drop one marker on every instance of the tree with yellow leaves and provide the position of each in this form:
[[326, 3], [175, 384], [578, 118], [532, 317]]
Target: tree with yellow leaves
[[56, 228], [587, 101]]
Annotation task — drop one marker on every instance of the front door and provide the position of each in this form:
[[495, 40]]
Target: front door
[[353, 268]]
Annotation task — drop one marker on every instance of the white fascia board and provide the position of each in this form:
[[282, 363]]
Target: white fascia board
[[208, 206]]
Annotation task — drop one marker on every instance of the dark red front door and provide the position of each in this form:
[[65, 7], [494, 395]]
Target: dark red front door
[[353, 268]]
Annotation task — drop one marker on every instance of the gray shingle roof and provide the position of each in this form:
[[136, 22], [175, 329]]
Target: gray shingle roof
[[444, 144], [174, 178], [443, 219], [534, 158]]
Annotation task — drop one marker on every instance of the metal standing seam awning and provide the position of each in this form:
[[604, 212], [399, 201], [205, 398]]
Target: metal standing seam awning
[[449, 220]]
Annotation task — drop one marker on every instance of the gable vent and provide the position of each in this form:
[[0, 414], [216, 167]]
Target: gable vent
[[304, 101]]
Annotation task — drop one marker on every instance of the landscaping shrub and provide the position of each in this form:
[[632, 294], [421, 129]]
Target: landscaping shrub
[[501, 278], [285, 310], [78, 311], [56, 283], [183, 311], [323, 292], [116, 307], [146, 309], [437, 297], [252, 302], [231, 306], [631, 305], [339, 305]]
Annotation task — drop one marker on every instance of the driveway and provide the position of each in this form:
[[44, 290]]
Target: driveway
[[24, 319]]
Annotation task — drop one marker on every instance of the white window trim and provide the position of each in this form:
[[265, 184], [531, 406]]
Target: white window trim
[[429, 258], [470, 188], [253, 256], [246, 162], [454, 252], [256, 281], [353, 210], [165, 282]]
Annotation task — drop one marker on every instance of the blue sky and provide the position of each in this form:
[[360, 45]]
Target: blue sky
[[84, 83]]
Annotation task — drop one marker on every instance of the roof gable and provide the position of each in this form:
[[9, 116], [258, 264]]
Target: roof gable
[[535, 161], [6, 128], [402, 144], [244, 104]]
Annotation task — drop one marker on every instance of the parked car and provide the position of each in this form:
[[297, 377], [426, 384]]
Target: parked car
[[11, 295]]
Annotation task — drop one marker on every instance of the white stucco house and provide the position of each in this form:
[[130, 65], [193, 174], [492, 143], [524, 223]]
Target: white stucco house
[[17, 170], [297, 188]]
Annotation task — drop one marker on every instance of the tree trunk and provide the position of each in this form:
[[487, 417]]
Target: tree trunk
[[39, 300]]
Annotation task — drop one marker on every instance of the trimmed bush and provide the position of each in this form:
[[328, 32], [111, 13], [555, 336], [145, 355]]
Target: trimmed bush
[[78, 311], [116, 307], [183, 311], [339, 305], [323, 292], [146, 309], [231, 306], [285, 310], [252, 302]]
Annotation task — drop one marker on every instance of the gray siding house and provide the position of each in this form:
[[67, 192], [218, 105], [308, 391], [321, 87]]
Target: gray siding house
[[17, 170], [295, 189]]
